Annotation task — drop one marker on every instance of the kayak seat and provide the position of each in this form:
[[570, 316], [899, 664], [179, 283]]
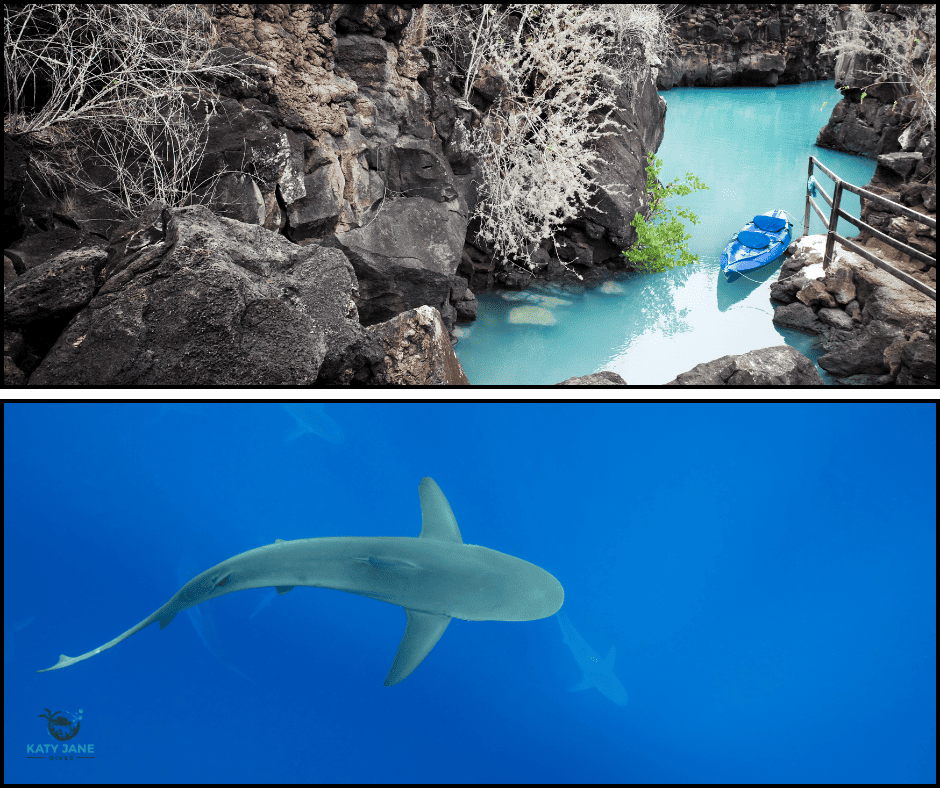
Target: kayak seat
[[771, 224], [753, 240]]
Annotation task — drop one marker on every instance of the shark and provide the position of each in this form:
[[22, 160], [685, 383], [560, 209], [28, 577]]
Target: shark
[[597, 672], [265, 601], [311, 420], [435, 577], [9, 630]]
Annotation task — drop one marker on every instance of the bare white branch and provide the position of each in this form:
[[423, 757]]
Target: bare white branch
[[123, 83]]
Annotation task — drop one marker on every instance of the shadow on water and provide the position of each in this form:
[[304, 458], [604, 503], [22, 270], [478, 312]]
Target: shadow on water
[[732, 290]]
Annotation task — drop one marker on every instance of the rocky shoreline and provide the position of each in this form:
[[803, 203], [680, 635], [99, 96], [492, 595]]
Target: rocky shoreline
[[876, 329]]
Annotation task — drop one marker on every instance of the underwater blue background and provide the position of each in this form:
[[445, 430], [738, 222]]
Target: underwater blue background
[[766, 573]]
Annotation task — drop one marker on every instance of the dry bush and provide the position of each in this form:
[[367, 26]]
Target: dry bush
[[128, 88], [903, 52], [558, 67]]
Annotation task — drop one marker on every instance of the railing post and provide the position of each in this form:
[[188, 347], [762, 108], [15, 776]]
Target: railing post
[[833, 222], [808, 178]]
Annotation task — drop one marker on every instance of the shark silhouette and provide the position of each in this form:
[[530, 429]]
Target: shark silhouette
[[435, 577], [9, 630], [311, 420], [266, 600], [597, 672]]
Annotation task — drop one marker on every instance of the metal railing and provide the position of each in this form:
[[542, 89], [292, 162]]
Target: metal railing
[[836, 213]]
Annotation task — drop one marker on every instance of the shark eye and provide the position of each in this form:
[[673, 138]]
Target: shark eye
[[222, 582]]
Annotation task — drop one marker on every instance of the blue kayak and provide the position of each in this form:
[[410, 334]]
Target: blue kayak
[[762, 240]]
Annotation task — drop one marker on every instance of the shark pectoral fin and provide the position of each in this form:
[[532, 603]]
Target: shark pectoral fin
[[421, 633], [581, 685]]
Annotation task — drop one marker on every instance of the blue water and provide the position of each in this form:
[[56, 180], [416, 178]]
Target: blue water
[[772, 606], [751, 147]]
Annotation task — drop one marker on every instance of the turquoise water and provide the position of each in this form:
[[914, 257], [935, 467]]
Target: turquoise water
[[750, 146]]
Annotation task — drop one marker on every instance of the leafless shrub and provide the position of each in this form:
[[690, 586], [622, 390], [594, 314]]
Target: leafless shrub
[[558, 66], [903, 52], [129, 87]]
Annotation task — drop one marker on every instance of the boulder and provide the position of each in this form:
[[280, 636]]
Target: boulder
[[798, 316], [418, 351], [406, 257], [918, 362], [839, 283], [835, 318], [37, 248], [771, 366], [191, 298], [54, 289], [814, 295], [862, 352], [14, 348], [605, 378]]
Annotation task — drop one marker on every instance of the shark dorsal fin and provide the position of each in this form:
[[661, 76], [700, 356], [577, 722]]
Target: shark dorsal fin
[[437, 519], [609, 659]]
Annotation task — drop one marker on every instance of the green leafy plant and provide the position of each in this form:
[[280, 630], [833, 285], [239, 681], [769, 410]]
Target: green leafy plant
[[663, 245]]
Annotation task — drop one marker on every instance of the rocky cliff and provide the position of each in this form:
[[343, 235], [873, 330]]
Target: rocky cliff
[[343, 203], [883, 116], [735, 44]]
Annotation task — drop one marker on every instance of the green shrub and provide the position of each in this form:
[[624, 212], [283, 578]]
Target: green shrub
[[662, 245]]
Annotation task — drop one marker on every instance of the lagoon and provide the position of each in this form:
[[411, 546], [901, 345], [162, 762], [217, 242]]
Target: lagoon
[[751, 147]]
